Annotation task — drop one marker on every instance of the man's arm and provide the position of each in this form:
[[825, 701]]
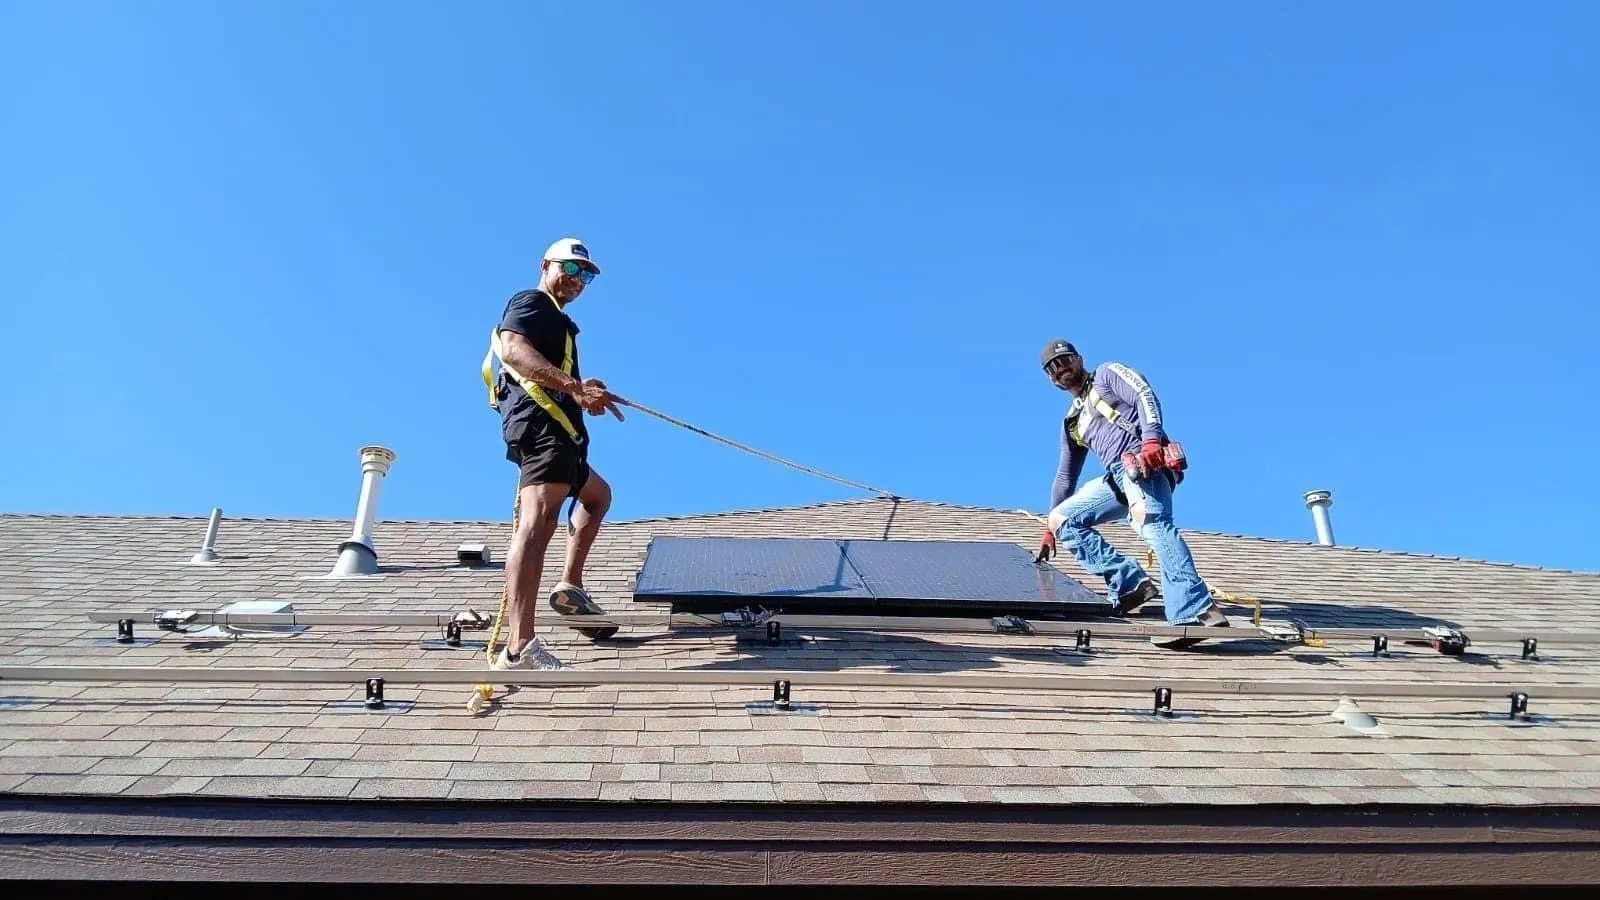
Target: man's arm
[[1130, 387], [1067, 470], [518, 353]]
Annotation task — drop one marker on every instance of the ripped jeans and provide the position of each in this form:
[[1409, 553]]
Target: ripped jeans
[[1183, 592]]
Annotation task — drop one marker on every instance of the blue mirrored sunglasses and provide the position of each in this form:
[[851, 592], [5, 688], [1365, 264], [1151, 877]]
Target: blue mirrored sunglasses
[[568, 267]]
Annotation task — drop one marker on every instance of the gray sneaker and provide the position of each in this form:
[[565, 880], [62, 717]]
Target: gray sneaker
[[1211, 618], [571, 600], [533, 656]]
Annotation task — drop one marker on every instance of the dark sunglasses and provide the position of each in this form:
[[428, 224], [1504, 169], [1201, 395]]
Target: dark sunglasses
[[1059, 364], [568, 267]]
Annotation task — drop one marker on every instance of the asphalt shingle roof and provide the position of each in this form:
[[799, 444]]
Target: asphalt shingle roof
[[704, 744]]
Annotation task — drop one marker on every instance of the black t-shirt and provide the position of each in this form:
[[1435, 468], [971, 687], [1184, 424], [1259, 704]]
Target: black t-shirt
[[535, 316]]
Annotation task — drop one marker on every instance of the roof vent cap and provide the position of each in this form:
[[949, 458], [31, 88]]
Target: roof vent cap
[[356, 555], [473, 556], [1319, 502]]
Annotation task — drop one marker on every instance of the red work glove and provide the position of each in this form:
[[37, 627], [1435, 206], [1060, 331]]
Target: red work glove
[[1151, 456], [1048, 548]]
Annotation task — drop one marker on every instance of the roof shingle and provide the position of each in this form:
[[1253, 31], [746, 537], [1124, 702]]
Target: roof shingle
[[702, 743]]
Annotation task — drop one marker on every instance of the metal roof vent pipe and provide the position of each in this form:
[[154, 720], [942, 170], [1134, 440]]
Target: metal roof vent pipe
[[356, 555], [1318, 502], [207, 554]]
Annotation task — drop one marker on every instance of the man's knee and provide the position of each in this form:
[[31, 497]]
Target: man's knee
[[595, 498], [1066, 519], [541, 511]]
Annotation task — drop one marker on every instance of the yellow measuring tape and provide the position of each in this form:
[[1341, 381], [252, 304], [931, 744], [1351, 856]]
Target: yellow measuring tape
[[536, 392]]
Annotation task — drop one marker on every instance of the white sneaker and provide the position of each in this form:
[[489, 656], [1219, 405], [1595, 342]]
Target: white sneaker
[[533, 656]]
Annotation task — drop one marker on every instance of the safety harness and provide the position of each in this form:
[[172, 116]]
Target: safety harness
[[535, 392], [1094, 401], [1098, 404]]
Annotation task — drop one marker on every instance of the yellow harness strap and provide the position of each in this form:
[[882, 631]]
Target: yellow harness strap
[[1099, 404], [534, 390]]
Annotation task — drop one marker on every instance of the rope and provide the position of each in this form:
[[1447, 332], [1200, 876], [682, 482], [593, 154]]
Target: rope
[[1218, 594], [753, 451], [482, 692]]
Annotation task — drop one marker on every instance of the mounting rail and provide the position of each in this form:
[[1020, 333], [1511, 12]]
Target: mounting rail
[[1443, 638], [1077, 684]]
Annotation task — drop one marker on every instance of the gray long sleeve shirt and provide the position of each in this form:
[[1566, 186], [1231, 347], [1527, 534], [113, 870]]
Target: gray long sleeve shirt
[[1128, 393]]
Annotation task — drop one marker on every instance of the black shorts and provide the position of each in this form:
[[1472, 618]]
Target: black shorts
[[549, 457]]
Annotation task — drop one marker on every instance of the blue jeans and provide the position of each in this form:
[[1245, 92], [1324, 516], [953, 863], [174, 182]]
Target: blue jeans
[[1184, 594]]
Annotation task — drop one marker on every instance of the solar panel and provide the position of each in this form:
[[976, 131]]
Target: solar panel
[[747, 567], [705, 574]]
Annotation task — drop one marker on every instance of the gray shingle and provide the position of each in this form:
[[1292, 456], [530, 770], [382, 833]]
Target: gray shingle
[[656, 743]]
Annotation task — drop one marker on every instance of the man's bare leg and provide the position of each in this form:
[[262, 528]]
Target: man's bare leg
[[536, 524], [593, 501]]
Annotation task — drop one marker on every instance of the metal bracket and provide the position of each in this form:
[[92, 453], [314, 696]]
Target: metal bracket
[[1011, 625], [374, 693], [1164, 702], [471, 620], [780, 694], [1519, 707], [175, 619], [1380, 645], [745, 617], [1287, 633], [1530, 648], [1446, 640]]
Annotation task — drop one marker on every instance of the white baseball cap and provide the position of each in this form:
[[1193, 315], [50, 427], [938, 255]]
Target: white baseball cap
[[570, 248]]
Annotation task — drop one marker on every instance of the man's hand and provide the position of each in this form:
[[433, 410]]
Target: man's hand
[[596, 400], [1151, 456], [1048, 548]]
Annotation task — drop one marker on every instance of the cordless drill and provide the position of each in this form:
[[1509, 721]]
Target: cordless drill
[[1172, 458]]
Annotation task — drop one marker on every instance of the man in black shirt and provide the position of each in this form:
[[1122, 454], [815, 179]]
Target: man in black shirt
[[542, 396]]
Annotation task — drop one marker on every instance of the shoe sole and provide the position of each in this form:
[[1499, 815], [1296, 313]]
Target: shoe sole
[[571, 603], [1123, 607], [1187, 642]]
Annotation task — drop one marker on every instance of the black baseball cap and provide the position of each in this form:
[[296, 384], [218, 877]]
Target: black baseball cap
[[1055, 349]]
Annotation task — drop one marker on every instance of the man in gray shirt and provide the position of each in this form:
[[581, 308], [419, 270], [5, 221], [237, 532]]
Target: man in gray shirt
[[1115, 413]]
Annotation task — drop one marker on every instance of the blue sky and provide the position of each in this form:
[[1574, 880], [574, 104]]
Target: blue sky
[[1353, 246]]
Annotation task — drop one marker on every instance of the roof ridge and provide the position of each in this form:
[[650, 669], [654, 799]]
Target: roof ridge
[[724, 514]]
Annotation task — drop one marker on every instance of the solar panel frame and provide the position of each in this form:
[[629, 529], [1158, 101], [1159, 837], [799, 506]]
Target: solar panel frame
[[886, 577]]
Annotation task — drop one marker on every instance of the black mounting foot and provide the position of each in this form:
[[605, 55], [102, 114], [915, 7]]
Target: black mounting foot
[[1530, 648], [1083, 640], [374, 693], [1519, 707], [1380, 645], [775, 635], [780, 694], [1164, 702], [124, 631], [452, 634]]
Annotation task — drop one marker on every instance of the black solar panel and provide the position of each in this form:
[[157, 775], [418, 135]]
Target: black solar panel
[[705, 574], [747, 567]]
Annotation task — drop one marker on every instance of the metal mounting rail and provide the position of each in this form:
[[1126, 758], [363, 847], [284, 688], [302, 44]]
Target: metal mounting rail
[[177, 618], [1078, 684], [1444, 638]]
